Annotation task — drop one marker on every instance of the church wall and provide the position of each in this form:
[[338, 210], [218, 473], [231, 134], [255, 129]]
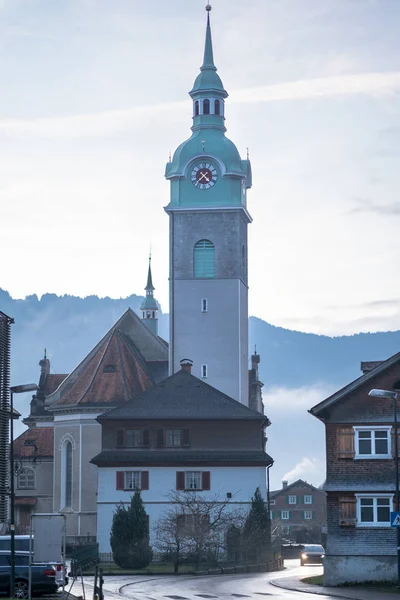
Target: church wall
[[240, 481], [85, 435], [240, 435]]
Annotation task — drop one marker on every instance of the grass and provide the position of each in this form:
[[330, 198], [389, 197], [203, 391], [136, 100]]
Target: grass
[[379, 586], [154, 569]]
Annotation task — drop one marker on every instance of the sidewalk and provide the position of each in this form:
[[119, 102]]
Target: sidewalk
[[351, 593]]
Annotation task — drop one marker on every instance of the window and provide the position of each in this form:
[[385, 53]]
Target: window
[[132, 480], [206, 107], [196, 108], [26, 479], [133, 438], [204, 371], [372, 442], [193, 480], [204, 305], [204, 260], [307, 514], [292, 499], [272, 502], [374, 510], [307, 499], [173, 438], [217, 107], [193, 524], [284, 514], [68, 474]]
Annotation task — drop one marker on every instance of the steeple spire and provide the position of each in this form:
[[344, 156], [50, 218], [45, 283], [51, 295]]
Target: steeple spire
[[149, 286], [208, 61]]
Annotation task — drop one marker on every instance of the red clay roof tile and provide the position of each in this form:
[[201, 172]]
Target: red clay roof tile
[[43, 437]]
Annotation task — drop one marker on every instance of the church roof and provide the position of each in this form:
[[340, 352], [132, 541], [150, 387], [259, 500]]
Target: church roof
[[53, 380], [41, 437], [183, 396], [115, 370], [116, 373]]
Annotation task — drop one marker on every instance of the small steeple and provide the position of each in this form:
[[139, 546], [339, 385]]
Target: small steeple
[[149, 305]]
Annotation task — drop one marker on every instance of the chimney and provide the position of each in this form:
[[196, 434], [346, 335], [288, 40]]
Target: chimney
[[284, 484], [186, 365]]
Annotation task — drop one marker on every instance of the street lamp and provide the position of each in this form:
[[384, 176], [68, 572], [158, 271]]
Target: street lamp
[[393, 396], [16, 389]]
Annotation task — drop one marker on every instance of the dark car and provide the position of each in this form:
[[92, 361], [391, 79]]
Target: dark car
[[312, 554], [43, 576]]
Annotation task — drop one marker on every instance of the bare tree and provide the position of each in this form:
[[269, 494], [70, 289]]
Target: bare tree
[[193, 526]]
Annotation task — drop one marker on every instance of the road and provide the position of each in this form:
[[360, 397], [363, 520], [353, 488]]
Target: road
[[215, 587]]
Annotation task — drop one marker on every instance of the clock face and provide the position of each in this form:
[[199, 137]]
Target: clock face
[[204, 175]]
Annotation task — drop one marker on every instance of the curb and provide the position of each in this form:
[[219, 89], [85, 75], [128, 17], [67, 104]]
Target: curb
[[306, 590]]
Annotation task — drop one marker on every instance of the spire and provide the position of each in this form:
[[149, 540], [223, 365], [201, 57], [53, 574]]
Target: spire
[[149, 286], [208, 61]]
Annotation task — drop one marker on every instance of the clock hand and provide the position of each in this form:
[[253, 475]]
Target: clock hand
[[204, 176]]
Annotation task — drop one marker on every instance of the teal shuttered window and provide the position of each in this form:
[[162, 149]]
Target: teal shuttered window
[[204, 260]]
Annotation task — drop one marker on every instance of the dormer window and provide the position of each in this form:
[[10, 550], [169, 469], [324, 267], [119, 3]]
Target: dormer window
[[217, 107], [206, 107]]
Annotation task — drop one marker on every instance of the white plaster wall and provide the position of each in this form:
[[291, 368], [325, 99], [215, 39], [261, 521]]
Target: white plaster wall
[[240, 481], [351, 569]]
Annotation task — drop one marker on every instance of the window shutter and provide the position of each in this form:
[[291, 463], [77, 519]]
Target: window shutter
[[180, 480], [160, 438], [144, 480], [347, 511], [120, 480], [345, 442], [146, 437], [393, 441], [120, 437], [205, 480], [185, 438], [287, 499]]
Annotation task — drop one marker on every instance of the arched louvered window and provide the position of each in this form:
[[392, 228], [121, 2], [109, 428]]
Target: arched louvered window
[[26, 479], [206, 107], [204, 259], [217, 107], [68, 474], [196, 108]]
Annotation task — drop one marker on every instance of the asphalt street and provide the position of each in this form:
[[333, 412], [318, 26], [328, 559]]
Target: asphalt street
[[215, 587]]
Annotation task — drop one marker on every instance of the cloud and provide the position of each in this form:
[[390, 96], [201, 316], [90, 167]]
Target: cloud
[[108, 122], [368, 206], [308, 469], [277, 399]]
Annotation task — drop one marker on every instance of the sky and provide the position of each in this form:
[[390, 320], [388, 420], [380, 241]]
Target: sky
[[95, 96]]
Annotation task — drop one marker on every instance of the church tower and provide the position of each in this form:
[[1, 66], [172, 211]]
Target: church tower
[[208, 242], [149, 306]]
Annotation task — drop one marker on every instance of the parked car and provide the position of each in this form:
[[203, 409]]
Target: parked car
[[312, 554], [43, 576], [22, 544]]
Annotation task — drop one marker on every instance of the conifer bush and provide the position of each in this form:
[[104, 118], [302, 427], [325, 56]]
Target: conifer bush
[[129, 536]]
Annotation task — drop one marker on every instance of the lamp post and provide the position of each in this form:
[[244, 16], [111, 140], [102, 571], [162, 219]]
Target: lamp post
[[16, 389], [392, 395]]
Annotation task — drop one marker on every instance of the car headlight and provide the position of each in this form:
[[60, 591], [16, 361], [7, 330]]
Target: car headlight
[[322, 555], [304, 555]]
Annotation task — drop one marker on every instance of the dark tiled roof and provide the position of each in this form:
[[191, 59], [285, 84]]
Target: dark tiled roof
[[298, 483], [43, 437], [115, 373], [190, 457], [52, 382], [182, 396]]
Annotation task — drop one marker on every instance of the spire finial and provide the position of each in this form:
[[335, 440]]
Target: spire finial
[[149, 286], [208, 7], [45, 354]]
